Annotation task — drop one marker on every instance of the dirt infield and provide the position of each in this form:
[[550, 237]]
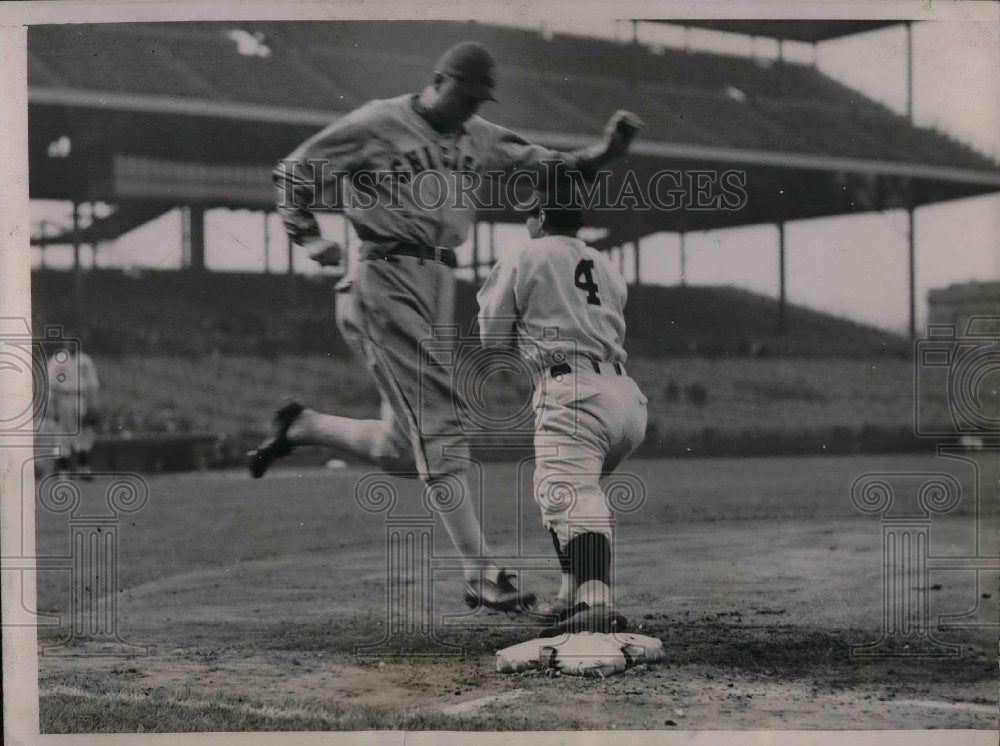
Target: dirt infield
[[251, 600]]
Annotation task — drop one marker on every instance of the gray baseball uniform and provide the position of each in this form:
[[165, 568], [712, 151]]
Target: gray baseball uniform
[[403, 287]]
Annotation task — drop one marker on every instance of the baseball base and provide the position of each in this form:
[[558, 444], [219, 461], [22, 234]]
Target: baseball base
[[581, 654]]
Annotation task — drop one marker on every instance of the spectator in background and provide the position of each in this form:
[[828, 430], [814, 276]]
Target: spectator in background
[[122, 424], [72, 406]]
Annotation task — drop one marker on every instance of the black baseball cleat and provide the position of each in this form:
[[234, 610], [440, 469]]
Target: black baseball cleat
[[277, 444], [586, 618], [551, 612], [501, 595]]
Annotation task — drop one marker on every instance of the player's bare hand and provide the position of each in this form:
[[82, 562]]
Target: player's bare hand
[[621, 129], [324, 253]]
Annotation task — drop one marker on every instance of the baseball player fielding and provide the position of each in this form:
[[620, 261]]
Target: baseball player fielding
[[561, 304]]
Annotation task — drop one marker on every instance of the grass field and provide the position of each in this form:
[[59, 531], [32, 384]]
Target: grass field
[[251, 597]]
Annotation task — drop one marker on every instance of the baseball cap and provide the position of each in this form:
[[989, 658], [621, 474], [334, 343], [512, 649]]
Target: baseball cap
[[472, 65]]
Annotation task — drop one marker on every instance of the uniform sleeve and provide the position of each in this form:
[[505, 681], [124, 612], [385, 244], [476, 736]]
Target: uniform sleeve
[[497, 307], [621, 284], [506, 151], [342, 147]]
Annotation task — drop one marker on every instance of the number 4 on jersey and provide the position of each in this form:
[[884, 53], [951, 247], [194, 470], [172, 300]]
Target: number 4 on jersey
[[585, 281]]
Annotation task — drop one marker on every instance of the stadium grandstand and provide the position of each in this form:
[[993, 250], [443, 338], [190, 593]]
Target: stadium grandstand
[[191, 120], [148, 118]]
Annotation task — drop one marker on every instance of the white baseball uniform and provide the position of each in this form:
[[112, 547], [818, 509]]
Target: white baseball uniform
[[73, 387], [561, 304]]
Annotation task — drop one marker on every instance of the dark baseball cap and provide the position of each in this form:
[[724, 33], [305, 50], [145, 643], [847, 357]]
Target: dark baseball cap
[[472, 65]]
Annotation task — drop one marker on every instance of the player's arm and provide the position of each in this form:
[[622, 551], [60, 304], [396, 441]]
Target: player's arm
[[619, 133], [509, 150], [620, 284], [497, 304], [309, 173]]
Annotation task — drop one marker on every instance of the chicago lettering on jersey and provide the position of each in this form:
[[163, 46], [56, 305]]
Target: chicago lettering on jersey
[[442, 158]]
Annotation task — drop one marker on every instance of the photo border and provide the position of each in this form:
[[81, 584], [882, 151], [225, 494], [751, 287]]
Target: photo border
[[20, 666]]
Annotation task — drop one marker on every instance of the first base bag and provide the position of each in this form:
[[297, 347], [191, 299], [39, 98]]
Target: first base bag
[[581, 654]]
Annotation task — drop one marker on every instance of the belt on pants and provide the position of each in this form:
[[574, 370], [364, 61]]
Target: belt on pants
[[386, 248], [562, 369]]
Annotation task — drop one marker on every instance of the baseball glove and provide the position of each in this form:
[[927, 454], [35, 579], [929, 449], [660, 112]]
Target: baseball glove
[[324, 253]]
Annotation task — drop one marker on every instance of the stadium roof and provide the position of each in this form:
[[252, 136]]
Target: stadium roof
[[199, 113], [797, 30]]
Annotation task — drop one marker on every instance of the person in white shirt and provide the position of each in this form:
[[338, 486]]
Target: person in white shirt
[[561, 303], [73, 389]]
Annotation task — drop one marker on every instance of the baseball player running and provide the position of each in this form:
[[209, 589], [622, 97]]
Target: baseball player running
[[565, 302], [403, 286]]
